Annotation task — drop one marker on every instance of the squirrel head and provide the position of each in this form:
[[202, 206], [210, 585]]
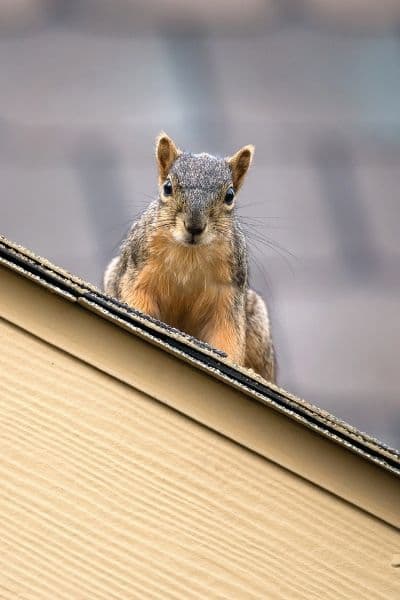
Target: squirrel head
[[198, 191]]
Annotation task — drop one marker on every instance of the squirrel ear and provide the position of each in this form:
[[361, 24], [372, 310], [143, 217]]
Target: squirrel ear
[[239, 164], [166, 153]]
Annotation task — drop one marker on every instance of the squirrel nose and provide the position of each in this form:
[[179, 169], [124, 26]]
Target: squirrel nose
[[193, 230]]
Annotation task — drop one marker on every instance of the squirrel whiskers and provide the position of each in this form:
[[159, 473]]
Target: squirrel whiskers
[[185, 260]]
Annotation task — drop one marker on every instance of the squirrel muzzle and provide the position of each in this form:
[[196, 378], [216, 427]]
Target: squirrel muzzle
[[191, 231]]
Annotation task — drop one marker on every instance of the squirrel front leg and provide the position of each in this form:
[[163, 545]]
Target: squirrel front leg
[[145, 302], [225, 330], [140, 298], [225, 335]]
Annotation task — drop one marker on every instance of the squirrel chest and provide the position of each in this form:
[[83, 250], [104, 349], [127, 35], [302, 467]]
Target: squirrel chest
[[188, 283]]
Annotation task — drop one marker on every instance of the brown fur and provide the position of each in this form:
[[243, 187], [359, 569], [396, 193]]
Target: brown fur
[[259, 354]]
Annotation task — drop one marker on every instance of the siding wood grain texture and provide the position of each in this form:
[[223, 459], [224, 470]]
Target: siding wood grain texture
[[107, 494]]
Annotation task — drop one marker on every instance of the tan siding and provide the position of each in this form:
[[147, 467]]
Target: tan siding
[[105, 493], [200, 396]]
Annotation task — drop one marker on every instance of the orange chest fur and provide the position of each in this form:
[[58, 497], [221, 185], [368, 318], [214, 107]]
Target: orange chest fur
[[188, 284]]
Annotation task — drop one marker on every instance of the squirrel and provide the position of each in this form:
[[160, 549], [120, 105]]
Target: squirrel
[[185, 260]]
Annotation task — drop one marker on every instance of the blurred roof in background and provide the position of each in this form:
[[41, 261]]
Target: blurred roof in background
[[118, 16]]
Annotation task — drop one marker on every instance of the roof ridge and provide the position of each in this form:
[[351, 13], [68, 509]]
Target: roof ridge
[[215, 362]]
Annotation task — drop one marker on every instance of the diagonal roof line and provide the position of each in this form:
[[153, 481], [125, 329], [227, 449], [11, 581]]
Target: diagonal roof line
[[197, 353]]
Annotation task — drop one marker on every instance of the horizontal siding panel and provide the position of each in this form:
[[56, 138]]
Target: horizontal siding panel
[[107, 494]]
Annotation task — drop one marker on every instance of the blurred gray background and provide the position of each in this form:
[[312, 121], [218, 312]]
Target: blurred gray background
[[85, 85]]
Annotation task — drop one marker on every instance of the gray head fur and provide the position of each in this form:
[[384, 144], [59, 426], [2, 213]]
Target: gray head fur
[[200, 179]]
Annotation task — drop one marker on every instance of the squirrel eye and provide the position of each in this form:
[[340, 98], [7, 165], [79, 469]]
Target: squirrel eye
[[229, 196], [167, 188]]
